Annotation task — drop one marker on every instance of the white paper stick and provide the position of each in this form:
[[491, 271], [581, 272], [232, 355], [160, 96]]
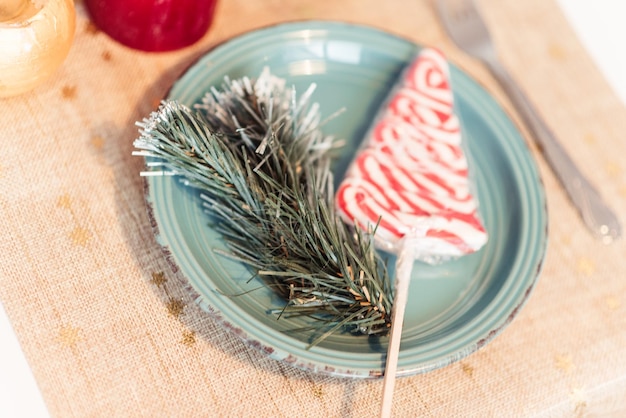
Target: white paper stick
[[404, 267]]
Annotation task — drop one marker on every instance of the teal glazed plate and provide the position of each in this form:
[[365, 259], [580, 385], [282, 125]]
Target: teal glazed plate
[[454, 308]]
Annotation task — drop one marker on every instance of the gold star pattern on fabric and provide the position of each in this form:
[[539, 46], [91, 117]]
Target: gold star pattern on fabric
[[467, 369], [64, 201], [586, 266], [68, 92], [590, 139], [613, 169], [564, 362], [80, 236], [158, 278], [318, 391], [305, 11], [175, 307], [156, 102], [97, 141], [69, 336], [613, 303], [557, 52], [91, 28], [189, 338]]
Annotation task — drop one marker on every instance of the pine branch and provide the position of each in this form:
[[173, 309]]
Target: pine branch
[[262, 164]]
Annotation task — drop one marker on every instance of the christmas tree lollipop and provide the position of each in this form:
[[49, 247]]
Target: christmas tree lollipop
[[411, 178]]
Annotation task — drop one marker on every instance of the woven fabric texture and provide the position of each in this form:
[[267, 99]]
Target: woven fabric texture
[[110, 330]]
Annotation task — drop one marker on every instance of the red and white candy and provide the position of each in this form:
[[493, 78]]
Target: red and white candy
[[412, 173]]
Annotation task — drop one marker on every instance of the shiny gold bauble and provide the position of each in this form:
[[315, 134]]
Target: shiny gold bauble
[[35, 38]]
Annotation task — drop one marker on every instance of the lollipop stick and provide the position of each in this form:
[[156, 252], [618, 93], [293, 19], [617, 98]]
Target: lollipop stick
[[404, 266]]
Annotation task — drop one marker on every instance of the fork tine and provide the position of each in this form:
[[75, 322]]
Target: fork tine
[[465, 26]]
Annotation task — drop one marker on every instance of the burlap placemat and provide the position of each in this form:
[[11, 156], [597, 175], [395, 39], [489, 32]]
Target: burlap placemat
[[110, 330]]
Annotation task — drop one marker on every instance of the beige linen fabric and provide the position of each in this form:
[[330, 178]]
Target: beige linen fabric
[[110, 330]]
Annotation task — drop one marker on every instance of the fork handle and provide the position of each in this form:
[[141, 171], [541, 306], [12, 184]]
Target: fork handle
[[595, 213]]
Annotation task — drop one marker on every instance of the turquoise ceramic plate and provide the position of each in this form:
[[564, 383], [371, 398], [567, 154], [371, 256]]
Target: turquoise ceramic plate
[[454, 309]]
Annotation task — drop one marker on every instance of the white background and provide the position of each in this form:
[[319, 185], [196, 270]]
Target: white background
[[601, 26]]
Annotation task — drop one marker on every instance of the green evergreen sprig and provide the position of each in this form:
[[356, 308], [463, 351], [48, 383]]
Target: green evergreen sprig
[[262, 164]]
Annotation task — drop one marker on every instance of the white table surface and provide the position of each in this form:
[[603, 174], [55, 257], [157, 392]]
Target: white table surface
[[600, 26]]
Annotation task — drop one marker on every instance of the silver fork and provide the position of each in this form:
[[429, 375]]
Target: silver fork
[[466, 28]]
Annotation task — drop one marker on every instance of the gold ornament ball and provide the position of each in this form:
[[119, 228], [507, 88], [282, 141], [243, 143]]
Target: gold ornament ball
[[35, 38]]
